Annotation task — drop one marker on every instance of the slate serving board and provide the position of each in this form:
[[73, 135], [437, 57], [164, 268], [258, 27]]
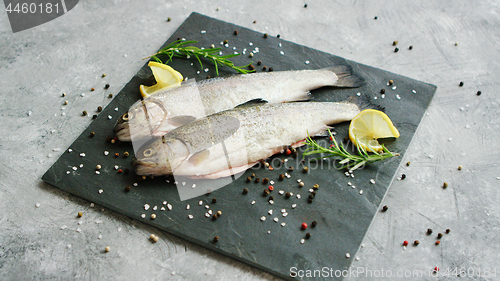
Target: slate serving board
[[343, 215]]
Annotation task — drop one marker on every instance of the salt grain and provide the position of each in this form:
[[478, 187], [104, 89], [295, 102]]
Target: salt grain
[[100, 191], [110, 117], [143, 215], [169, 207], [398, 97], [253, 202], [298, 196], [270, 212], [68, 172], [413, 91], [74, 168], [106, 152], [190, 217], [360, 192], [306, 62], [347, 255], [146, 207], [164, 203], [285, 214], [64, 227], [372, 181], [294, 206], [271, 202], [116, 108], [70, 150], [82, 154], [263, 218], [283, 224], [188, 207], [200, 203], [281, 192], [37, 205], [302, 241], [275, 219]]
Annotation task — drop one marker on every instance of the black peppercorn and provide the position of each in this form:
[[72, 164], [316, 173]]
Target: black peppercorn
[[249, 179], [271, 197], [257, 180], [461, 84], [94, 116], [281, 177], [305, 169], [382, 91], [266, 35], [440, 235], [429, 231], [92, 134], [245, 190], [478, 93], [265, 180], [214, 200], [375, 18], [264, 68], [416, 242], [309, 200], [403, 176], [447, 231], [308, 235], [225, 41], [259, 62], [266, 192], [127, 188], [288, 195], [396, 50], [271, 69], [385, 208], [216, 238], [314, 223], [278, 36], [235, 32], [106, 86], [311, 196], [410, 48]]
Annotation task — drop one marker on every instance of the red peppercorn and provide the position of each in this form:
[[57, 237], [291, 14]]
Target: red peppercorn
[[438, 242], [304, 225], [271, 188], [120, 171], [331, 138], [331, 145], [405, 243], [436, 268], [288, 151]]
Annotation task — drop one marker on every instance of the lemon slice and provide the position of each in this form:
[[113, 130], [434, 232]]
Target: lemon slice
[[370, 125], [166, 77]]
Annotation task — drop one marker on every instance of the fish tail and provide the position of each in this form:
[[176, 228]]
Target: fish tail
[[364, 102], [346, 77]]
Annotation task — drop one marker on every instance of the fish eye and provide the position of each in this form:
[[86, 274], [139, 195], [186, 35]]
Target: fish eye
[[127, 116], [148, 152]]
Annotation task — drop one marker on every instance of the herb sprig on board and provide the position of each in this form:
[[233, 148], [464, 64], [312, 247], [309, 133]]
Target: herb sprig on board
[[179, 48], [349, 161]]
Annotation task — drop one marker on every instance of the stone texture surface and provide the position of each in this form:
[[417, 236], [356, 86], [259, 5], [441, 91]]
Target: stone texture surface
[[70, 53]]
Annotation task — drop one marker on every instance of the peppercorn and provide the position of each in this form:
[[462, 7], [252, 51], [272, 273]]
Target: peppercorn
[[438, 242], [288, 195], [290, 168], [281, 177], [382, 91], [271, 188], [301, 184], [106, 86], [407, 163], [410, 48], [396, 50], [208, 77], [394, 43], [478, 93], [63, 95], [127, 188], [92, 134], [445, 185], [214, 200], [313, 193], [254, 21], [259, 62], [84, 113], [225, 41], [251, 67], [264, 68], [271, 69], [303, 226], [107, 249], [219, 213], [245, 190], [80, 214], [316, 186], [405, 243], [249, 179], [403, 176], [92, 89], [65, 102], [250, 56], [94, 116], [429, 231], [235, 32], [385, 208], [120, 171], [375, 18], [110, 95], [440, 235], [278, 36], [266, 192], [447, 231], [305, 5], [153, 216], [265, 180], [271, 198], [308, 235], [257, 180], [117, 154], [461, 84], [126, 154], [391, 82], [216, 238], [265, 35], [253, 175], [214, 216], [314, 223], [103, 75], [416, 242], [169, 19], [460, 167], [305, 169]]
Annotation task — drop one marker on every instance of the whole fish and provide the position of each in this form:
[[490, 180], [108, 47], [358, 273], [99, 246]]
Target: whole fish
[[232, 141], [169, 109]]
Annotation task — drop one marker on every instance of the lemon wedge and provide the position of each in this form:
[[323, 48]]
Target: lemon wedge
[[166, 77], [370, 125]]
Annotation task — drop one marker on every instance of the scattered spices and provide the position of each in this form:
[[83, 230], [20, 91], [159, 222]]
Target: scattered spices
[[438, 242], [311, 196], [154, 238], [107, 249], [265, 180], [405, 243], [120, 171], [281, 177], [65, 102], [214, 200], [106, 86], [303, 226], [92, 134], [99, 108], [266, 192], [251, 55], [92, 89], [460, 167], [251, 67], [271, 69], [447, 231], [403, 176], [396, 50], [245, 190], [126, 154], [461, 84], [391, 82], [316, 186], [314, 223], [235, 32], [110, 95], [305, 5], [117, 154], [410, 48], [214, 216], [127, 188], [394, 43], [309, 200], [80, 214], [288, 195], [445, 185], [225, 41], [259, 62], [271, 197], [216, 238], [290, 168], [98, 167], [153, 216], [429, 231], [385, 208], [63, 95], [416, 242], [305, 169], [103, 75], [271, 188], [478, 93], [264, 68], [301, 184], [266, 35], [94, 116], [440, 235], [84, 113], [382, 91], [407, 163], [375, 18], [113, 141], [278, 36], [257, 180], [308, 235], [169, 19], [249, 179]]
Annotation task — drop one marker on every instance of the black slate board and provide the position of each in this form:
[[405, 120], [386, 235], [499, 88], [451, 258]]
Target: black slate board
[[342, 214]]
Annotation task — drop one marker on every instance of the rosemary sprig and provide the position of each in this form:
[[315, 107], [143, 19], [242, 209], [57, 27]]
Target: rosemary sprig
[[350, 161], [179, 49]]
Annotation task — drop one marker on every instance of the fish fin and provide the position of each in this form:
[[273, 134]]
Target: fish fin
[[253, 102], [199, 157], [225, 173], [346, 77], [364, 102], [180, 120]]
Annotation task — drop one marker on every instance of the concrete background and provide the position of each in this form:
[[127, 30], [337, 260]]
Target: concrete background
[[452, 41]]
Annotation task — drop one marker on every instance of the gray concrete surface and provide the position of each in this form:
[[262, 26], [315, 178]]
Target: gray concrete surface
[[69, 55]]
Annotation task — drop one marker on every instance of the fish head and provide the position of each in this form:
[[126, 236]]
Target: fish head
[[140, 120], [160, 156]]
